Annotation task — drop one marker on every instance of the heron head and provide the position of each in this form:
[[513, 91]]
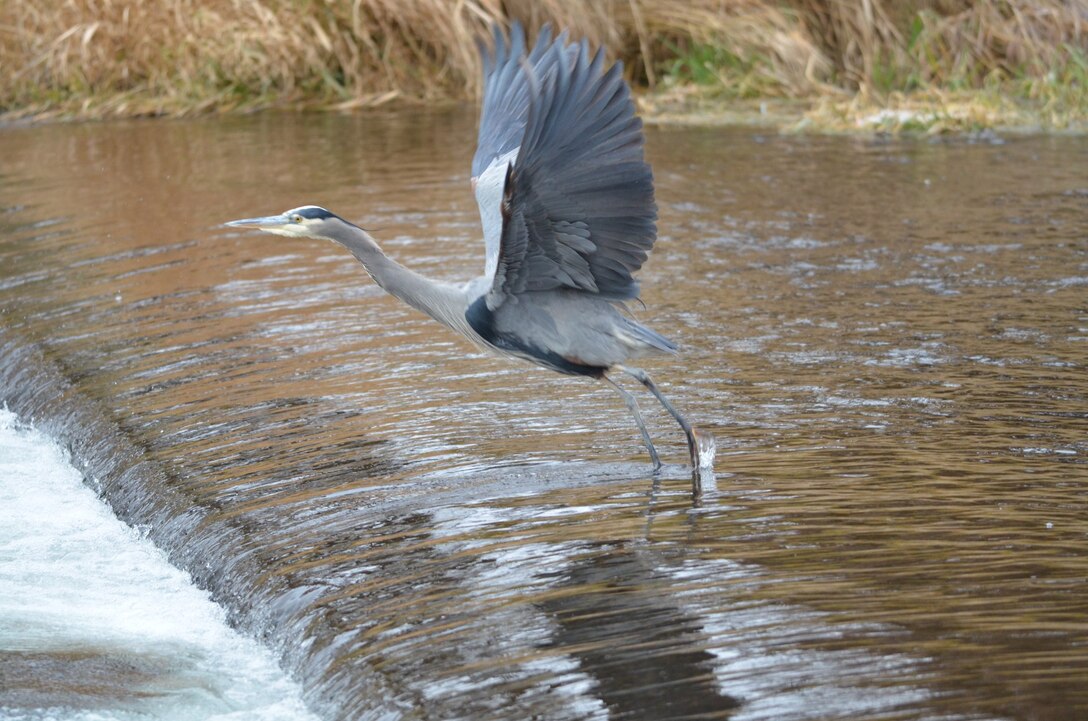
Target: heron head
[[309, 221]]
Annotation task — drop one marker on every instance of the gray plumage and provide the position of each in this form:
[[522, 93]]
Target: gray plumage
[[567, 207]]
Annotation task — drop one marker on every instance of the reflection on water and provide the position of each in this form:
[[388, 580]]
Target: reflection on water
[[887, 338], [641, 642]]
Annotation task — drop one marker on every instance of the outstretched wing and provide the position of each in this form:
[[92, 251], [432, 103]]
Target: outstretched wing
[[577, 205], [506, 93], [503, 115]]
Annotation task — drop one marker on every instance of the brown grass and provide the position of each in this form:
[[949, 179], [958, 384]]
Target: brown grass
[[127, 56], [131, 57], [943, 42]]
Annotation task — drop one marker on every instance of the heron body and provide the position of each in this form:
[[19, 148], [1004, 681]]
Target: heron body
[[562, 331], [567, 206]]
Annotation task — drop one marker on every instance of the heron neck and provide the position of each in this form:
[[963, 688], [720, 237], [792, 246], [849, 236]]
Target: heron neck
[[445, 302]]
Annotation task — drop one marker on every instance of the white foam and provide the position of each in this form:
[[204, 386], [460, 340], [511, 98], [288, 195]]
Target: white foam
[[96, 625]]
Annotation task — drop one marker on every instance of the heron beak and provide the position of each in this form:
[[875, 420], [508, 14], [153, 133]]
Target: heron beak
[[270, 222]]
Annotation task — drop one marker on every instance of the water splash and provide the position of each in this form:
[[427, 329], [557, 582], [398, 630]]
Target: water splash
[[702, 471]]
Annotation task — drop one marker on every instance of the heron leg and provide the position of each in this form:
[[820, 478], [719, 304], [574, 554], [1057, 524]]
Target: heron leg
[[632, 405], [644, 378]]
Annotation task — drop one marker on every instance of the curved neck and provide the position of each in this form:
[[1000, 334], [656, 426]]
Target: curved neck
[[444, 302]]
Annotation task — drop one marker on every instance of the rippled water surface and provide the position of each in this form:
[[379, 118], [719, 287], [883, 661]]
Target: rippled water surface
[[889, 340]]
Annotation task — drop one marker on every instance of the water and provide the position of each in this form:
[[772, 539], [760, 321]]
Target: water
[[887, 338], [96, 625]]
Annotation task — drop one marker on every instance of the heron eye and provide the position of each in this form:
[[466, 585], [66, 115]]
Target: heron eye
[[296, 219]]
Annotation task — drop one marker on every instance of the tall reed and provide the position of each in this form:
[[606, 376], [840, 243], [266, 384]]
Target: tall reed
[[127, 57]]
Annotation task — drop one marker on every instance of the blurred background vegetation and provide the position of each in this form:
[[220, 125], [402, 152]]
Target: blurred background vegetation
[[892, 64]]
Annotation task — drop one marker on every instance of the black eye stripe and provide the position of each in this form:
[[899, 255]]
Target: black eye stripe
[[313, 213]]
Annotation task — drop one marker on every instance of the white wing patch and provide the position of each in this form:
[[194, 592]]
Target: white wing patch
[[489, 198]]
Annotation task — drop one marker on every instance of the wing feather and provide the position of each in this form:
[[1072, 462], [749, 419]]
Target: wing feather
[[504, 111], [506, 93], [577, 206]]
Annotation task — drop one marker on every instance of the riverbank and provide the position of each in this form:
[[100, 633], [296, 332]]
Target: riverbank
[[922, 65], [930, 113]]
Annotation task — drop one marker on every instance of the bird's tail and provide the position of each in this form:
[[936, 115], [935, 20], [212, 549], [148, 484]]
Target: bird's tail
[[644, 337]]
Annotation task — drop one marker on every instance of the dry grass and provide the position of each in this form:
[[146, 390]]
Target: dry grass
[[131, 57], [927, 65], [843, 58], [992, 63]]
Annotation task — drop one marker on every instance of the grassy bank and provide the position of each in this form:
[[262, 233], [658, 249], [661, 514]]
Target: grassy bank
[[907, 64]]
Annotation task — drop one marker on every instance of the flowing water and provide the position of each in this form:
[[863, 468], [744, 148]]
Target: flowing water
[[83, 633], [889, 340]]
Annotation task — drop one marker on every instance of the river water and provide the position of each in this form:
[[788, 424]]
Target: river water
[[889, 340]]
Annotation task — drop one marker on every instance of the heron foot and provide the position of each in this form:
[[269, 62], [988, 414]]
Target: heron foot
[[654, 458]]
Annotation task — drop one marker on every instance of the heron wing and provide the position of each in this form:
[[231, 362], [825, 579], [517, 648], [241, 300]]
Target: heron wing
[[577, 205], [506, 93], [502, 121]]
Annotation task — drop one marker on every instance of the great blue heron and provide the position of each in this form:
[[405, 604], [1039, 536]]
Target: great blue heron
[[567, 205]]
